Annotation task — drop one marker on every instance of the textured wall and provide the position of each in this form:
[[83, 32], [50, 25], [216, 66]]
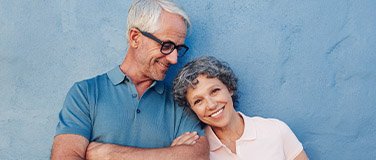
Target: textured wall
[[311, 64]]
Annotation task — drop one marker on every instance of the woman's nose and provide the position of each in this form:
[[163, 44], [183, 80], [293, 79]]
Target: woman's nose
[[211, 103]]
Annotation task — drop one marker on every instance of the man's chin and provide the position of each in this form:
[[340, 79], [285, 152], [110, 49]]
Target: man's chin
[[160, 77]]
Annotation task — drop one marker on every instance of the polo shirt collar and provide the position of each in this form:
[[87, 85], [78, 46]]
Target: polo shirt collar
[[214, 142], [249, 129], [117, 76], [158, 86], [248, 134]]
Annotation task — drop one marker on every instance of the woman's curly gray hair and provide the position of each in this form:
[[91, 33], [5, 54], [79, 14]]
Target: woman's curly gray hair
[[209, 66]]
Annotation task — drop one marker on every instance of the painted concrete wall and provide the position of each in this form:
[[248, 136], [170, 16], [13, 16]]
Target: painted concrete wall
[[311, 64]]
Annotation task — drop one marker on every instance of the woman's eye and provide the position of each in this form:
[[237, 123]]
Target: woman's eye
[[215, 90], [196, 102]]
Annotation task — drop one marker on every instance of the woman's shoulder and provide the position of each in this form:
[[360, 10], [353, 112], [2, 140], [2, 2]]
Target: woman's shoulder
[[258, 119], [266, 120], [265, 123]]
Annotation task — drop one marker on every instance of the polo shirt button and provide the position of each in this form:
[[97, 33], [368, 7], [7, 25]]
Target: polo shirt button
[[138, 111], [134, 95]]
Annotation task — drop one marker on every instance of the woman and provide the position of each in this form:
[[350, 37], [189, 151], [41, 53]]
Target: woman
[[209, 88]]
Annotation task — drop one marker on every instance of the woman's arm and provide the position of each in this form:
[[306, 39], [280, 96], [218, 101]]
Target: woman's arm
[[301, 156]]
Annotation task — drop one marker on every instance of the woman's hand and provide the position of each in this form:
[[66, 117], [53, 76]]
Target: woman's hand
[[187, 138]]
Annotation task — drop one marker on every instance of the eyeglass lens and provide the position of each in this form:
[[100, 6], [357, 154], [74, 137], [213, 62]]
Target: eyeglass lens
[[168, 47]]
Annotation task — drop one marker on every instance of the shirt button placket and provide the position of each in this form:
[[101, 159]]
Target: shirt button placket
[[134, 95]]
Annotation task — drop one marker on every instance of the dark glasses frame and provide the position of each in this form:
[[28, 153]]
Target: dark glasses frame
[[181, 49]]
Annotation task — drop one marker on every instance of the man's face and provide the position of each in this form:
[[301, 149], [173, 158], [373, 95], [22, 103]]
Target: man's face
[[153, 64]]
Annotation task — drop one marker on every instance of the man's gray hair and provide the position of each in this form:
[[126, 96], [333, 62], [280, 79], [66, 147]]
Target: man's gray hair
[[144, 14], [208, 66]]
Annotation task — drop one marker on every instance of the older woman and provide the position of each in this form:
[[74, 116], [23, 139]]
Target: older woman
[[209, 88]]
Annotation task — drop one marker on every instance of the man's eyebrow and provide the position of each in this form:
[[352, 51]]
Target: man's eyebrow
[[170, 41]]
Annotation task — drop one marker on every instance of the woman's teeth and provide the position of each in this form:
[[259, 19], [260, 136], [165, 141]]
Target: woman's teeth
[[217, 113]]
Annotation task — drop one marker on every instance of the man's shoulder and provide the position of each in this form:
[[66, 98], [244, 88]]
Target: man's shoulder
[[93, 80], [92, 83], [167, 87]]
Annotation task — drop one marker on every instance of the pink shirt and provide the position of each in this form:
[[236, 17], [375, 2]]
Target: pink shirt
[[262, 139]]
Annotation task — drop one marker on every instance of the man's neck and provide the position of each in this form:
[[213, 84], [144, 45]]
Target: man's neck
[[141, 82]]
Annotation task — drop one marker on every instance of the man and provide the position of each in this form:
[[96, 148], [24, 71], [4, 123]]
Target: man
[[128, 113]]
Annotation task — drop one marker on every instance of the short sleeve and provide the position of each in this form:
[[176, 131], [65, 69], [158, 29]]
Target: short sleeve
[[291, 145], [74, 117], [189, 122]]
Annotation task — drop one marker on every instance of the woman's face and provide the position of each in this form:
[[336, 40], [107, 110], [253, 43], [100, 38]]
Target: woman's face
[[211, 100]]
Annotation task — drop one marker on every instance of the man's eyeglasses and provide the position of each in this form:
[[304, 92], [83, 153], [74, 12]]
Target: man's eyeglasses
[[167, 47]]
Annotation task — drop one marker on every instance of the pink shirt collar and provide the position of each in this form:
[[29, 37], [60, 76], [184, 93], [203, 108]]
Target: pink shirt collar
[[248, 134]]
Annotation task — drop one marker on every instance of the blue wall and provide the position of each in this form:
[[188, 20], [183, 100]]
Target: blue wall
[[311, 64]]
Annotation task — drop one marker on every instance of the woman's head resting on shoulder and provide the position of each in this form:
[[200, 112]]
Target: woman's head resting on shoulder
[[208, 66], [208, 87]]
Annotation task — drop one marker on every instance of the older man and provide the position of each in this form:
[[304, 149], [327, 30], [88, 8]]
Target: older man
[[128, 113]]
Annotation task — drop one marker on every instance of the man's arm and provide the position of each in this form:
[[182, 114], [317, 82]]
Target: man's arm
[[69, 147], [198, 150]]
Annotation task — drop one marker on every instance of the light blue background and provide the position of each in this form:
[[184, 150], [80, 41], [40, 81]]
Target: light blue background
[[311, 64]]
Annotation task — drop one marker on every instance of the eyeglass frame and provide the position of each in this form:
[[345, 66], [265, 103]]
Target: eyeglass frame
[[149, 35]]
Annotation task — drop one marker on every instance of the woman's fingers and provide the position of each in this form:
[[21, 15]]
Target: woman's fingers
[[176, 141], [186, 138], [189, 138]]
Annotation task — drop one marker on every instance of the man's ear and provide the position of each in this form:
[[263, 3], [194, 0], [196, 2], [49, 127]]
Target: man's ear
[[134, 38]]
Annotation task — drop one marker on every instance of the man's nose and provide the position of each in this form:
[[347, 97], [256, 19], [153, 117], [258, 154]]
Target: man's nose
[[172, 58]]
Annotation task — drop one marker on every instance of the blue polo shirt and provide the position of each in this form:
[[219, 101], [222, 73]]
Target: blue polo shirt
[[106, 109]]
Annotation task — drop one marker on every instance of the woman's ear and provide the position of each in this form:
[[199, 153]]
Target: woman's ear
[[134, 38]]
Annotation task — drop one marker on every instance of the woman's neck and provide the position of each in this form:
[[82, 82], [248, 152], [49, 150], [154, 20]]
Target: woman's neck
[[233, 131]]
